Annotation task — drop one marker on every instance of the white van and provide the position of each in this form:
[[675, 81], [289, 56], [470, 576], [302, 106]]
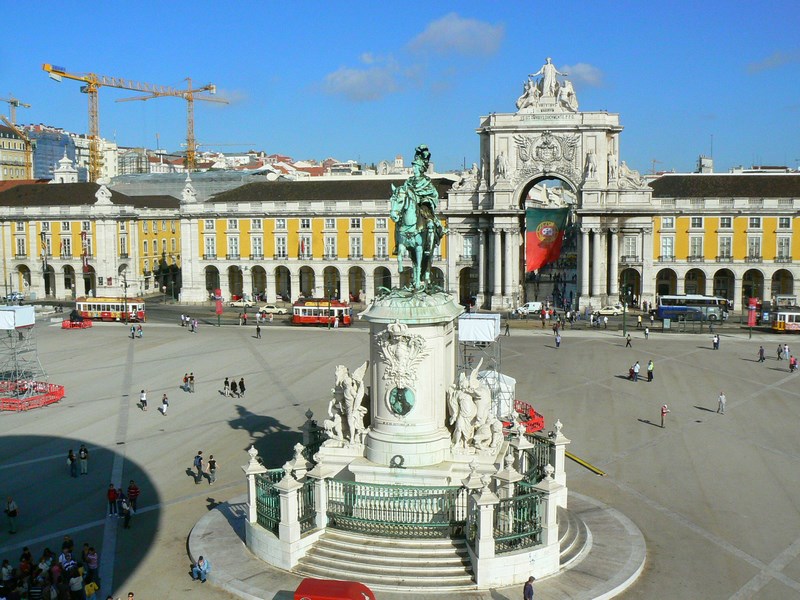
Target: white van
[[530, 308]]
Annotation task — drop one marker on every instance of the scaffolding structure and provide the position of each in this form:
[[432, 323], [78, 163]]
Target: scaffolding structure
[[21, 371]]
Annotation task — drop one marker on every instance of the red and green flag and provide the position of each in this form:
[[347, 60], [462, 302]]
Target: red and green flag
[[544, 233]]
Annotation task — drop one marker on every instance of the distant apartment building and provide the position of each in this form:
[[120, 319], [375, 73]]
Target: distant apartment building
[[12, 155]]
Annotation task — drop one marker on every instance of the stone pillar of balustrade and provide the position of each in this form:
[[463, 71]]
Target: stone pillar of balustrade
[[506, 477], [520, 444], [483, 502], [251, 469], [558, 452], [551, 490]]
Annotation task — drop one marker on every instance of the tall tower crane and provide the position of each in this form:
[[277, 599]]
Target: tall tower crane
[[95, 82], [28, 147], [189, 95], [13, 105]]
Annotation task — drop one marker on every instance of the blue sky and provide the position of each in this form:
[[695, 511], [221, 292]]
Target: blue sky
[[364, 81]]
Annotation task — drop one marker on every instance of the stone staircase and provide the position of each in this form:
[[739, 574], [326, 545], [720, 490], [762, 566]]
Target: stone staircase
[[418, 565]]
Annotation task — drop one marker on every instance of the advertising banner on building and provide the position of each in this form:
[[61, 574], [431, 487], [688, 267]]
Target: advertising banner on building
[[544, 234]]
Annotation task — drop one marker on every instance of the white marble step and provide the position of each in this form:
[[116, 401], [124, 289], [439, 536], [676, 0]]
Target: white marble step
[[573, 538], [410, 559], [389, 581]]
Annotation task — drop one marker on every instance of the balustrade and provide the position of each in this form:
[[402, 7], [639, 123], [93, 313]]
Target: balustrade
[[518, 522]]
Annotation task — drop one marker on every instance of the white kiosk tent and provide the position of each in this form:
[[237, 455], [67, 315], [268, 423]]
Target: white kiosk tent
[[19, 357]]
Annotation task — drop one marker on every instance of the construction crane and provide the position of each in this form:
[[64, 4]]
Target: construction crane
[[653, 162], [28, 147], [13, 105], [95, 82], [189, 95]]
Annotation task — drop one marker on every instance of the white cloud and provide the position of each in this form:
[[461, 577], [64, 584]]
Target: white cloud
[[583, 73], [773, 61], [453, 34], [362, 85]]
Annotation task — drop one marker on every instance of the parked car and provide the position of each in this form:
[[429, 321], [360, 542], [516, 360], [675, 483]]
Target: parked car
[[241, 303], [612, 310], [15, 297], [271, 308], [530, 308]]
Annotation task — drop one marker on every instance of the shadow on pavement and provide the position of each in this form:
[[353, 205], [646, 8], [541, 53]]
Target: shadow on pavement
[[273, 440]]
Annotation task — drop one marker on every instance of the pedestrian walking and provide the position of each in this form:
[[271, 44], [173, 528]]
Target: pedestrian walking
[[650, 368], [183, 320], [558, 340], [628, 341], [191, 382], [198, 465], [761, 354], [664, 410], [241, 386], [139, 331], [646, 333], [270, 318], [143, 399], [133, 332], [605, 322], [11, 514], [133, 494], [185, 382], [92, 561], [636, 368], [507, 332], [234, 389], [258, 332], [72, 463], [527, 589], [780, 352], [786, 353], [111, 495], [226, 387], [721, 402], [83, 455], [792, 364], [240, 319], [652, 320], [212, 469], [125, 509], [164, 404], [639, 322]]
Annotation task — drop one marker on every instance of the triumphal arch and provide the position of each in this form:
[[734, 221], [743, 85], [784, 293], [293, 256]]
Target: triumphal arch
[[548, 137]]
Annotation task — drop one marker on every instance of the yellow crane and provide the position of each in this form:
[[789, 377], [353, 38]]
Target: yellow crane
[[95, 82], [28, 147], [13, 105]]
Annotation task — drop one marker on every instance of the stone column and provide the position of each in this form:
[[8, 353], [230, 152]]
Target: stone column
[[247, 283], [613, 268], [597, 263], [739, 303], [497, 273], [482, 264], [289, 527], [482, 503], [680, 284], [584, 266], [508, 290], [558, 452], [551, 489], [252, 469], [648, 280]]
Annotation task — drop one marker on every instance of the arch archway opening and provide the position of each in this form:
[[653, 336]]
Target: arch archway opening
[[356, 284], [283, 284], [695, 282], [382, 279]]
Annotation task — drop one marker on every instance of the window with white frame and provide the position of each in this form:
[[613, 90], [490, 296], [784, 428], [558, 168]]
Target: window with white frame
[[754, 246], [164, 246], [123, 244], [380, 223], [381, 246], [233, 224], [20, 227], [667, 222], [146, 265], [145, 247], [66, 246], [330, 223], [725, 246], [256, 224], [87, 245], [355, 246], [667, 247], [304, 244], [233, 246], [754, 223], [305, 223], [355, 222], [280, 224], [163, 224], [21, 251], [46, 246], [208, 225], [330, 246], [45, 225], [696, 222], [172, 226], [257, 246], [280, 246], [144, 227], [155, 226], [122, 226], [696, 246], [469, 246], [726, 222], [173, 245], [784, 246], [784, 222], [630, 246], [210, 246]]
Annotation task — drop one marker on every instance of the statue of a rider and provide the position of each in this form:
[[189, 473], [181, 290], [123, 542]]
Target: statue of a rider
[[420, 189]]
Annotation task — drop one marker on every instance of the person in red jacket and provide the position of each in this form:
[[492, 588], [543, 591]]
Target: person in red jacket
[[112, 500], [133, 494]]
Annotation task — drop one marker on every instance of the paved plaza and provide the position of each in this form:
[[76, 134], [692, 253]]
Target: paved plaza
[[716, 496]]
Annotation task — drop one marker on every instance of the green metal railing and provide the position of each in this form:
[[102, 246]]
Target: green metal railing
[[268, 505], [397, 511], [306, 509], [518, 523], [537, 458]]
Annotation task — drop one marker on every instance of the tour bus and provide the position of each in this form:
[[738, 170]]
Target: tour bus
[[692, 307], [111, 309], [786, 319], [321, 311]]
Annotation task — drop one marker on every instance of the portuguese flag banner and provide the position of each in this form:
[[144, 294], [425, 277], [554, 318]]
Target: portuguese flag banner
[[544, 233]]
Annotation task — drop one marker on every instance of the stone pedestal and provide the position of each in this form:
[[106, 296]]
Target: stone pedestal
[[412, 363]]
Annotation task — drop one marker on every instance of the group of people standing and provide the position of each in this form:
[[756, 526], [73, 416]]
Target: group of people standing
[[231, 388], [187, 321]]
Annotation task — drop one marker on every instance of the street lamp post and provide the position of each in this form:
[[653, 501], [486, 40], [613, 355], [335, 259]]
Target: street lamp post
[[125, 297], [43, 238]]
